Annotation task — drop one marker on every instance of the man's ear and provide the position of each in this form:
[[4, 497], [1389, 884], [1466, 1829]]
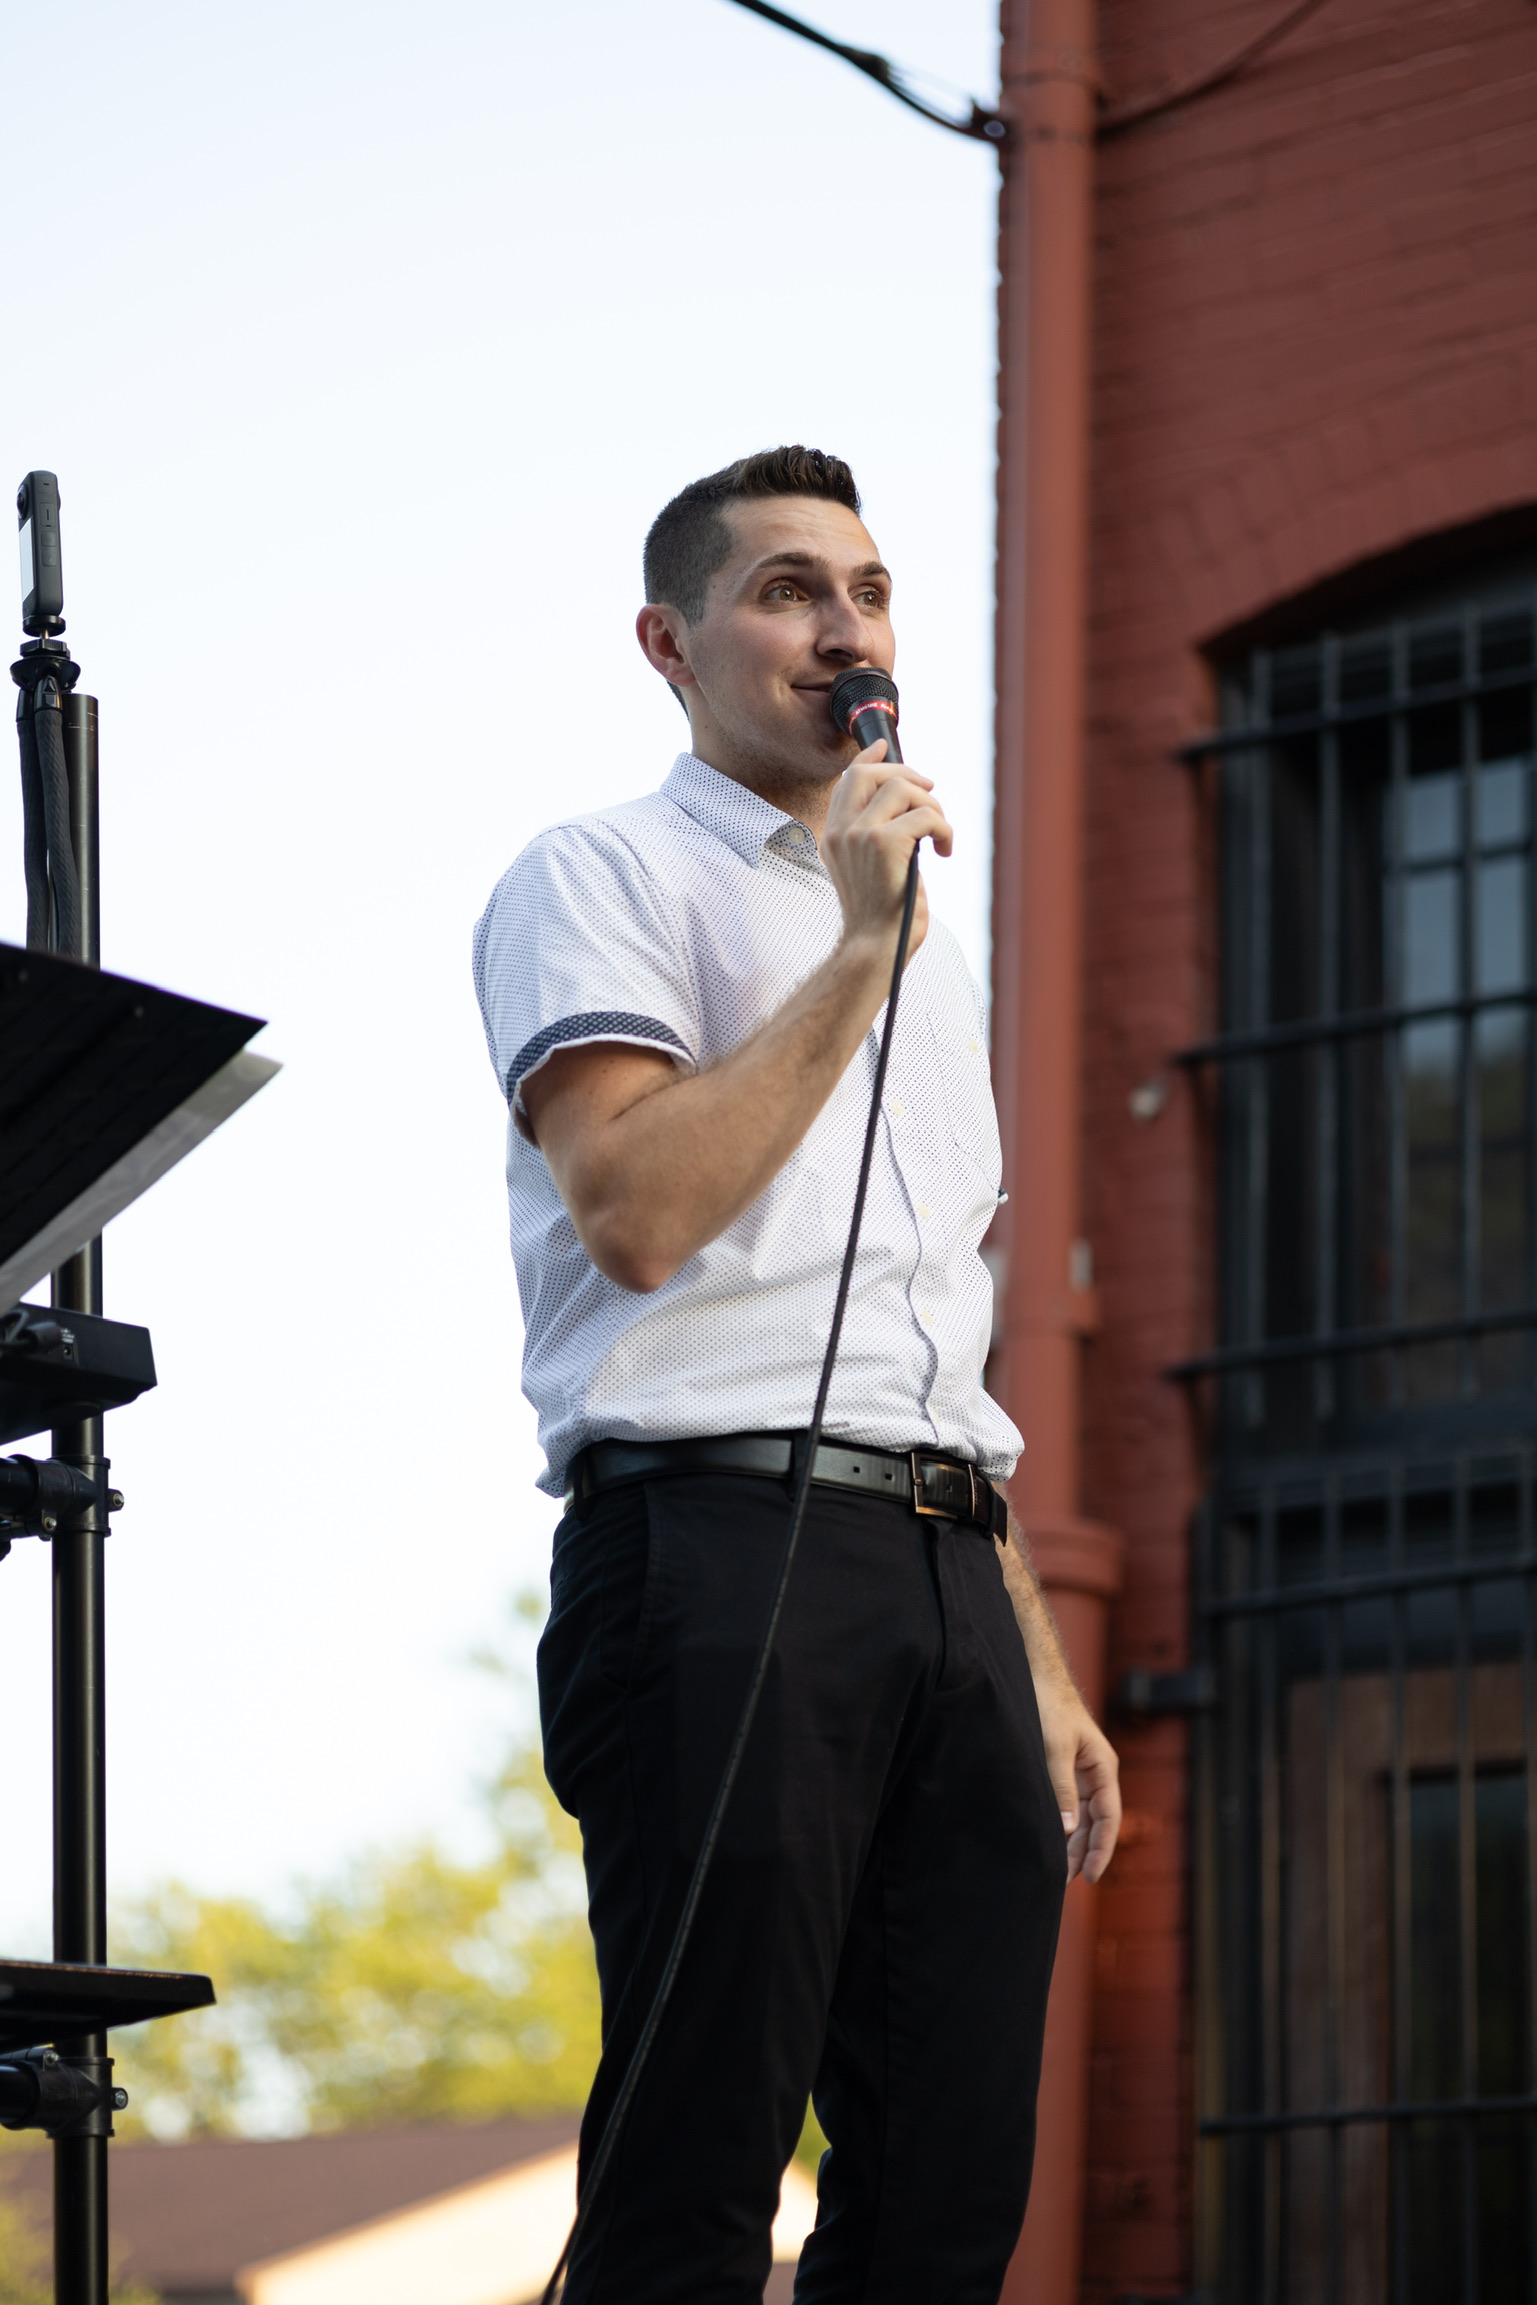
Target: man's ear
[[663, 636]]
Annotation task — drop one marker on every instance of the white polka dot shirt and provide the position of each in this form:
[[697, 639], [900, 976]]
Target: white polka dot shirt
[[681, 922]]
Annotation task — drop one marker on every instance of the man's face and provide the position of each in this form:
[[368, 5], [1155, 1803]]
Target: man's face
[[801, 596]]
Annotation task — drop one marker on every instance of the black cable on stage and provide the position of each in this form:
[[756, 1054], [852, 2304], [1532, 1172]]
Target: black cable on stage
[[875, 694]]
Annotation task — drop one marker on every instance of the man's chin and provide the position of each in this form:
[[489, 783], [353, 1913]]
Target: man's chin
[[816, 748], [796, 755], [785, 752]]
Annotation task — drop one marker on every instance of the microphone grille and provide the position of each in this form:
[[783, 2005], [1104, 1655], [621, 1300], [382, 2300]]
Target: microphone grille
[[861, 684]]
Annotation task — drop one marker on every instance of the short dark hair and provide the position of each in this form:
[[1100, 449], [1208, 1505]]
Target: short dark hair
[[690, 537]]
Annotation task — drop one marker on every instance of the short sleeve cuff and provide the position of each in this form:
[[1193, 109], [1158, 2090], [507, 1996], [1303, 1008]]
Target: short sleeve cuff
[[586, 1030]]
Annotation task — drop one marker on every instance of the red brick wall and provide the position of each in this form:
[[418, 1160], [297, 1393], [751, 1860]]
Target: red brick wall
[[1316, 314]]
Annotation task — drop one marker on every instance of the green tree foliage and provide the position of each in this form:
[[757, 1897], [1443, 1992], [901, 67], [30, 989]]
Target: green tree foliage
[[23, 2259], [25, 2278], [409, 1988]]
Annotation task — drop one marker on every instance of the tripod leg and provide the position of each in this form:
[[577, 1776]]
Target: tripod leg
[[79, 1661], [80, 1931], [80, 2216]]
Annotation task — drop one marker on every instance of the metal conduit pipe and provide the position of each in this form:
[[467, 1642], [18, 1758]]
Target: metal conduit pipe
[[1046, 1296]]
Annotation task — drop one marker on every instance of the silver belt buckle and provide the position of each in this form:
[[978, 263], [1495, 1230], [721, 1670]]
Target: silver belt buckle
[[939, 1512]]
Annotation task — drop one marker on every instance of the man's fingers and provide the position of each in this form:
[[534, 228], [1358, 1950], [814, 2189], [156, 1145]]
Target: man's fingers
[[1099, 1778], [880, 815], [941, 832], [879, 795], [1101, 1849], [1085, 1782], [927, 823], [1060, 1764], [1101, 1826], [900, 802]]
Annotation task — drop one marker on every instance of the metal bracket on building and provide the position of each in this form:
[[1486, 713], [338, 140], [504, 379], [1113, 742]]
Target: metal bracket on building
[[1186, 2297], [1148, 1694]]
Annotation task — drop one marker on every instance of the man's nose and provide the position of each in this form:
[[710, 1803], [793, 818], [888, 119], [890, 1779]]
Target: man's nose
[[841, 632]]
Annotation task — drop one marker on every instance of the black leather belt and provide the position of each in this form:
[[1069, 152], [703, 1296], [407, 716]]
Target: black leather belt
[[940, 1488]]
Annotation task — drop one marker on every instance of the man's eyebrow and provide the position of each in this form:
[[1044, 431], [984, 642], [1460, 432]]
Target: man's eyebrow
[[795, 559]]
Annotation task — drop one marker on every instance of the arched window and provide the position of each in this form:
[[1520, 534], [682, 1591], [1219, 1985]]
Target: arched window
[[1367, 1585]]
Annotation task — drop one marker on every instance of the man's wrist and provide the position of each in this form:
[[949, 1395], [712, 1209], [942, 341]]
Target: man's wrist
[[868, 950]]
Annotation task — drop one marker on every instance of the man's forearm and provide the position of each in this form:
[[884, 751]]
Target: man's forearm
[[1080, 1759], [1049, 1667]]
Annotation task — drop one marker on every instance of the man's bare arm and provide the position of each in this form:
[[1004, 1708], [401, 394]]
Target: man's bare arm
[[1080, 1757], [653, 1166]]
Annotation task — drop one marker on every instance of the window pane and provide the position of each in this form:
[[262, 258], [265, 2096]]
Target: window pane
[[1366, 667], [1440, 2060], [1435, 654], [1295, 683], [1433, 816], [1435, 739], [1432, 1245], [1506, 1280], [1432, 921], [1505, 640], [1502, 806], [1435, 1941], [1502, 917], [1294, 882], [1502, 1933], [1365, 1209]]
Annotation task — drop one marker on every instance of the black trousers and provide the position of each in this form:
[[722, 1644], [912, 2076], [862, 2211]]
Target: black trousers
[[881, 1918]]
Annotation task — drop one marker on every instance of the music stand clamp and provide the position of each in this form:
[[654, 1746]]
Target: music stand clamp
[[72, 2096], [104, 1084]]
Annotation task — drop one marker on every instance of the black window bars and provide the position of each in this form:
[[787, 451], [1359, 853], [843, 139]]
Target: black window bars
[[1366, 1574]]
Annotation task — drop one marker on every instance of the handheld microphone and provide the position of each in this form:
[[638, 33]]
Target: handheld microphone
[[863, 703]]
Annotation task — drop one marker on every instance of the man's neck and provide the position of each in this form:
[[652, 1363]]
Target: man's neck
[[806, 798]]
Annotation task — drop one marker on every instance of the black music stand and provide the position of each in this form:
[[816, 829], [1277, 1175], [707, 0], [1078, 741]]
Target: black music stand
[[104, 1084]]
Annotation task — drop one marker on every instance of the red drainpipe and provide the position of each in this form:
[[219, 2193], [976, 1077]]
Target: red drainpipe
[[1047, 1297]]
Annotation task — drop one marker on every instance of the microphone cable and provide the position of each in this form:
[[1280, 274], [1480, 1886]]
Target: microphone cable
[[863, 703]]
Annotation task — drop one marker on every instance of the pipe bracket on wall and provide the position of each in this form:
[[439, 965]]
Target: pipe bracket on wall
[[1148, 1693]]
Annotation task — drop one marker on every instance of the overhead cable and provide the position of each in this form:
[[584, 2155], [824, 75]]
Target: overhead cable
[[979, 121], [1169, 98]]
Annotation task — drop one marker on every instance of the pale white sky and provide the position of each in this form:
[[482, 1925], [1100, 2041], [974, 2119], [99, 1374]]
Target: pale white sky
[[366, 341]]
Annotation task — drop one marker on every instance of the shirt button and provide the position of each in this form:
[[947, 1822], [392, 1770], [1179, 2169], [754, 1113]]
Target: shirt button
[[927, 1319], [897, 1108], [796, 833], [923, 1208], [975, 1047]]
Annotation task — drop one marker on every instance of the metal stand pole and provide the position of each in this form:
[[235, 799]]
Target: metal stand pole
[[79, 1661]]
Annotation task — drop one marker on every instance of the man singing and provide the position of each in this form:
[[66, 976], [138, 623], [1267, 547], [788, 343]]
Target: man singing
[[682, 997]]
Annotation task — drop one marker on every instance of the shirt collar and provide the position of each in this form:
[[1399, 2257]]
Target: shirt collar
[[743, 820]]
